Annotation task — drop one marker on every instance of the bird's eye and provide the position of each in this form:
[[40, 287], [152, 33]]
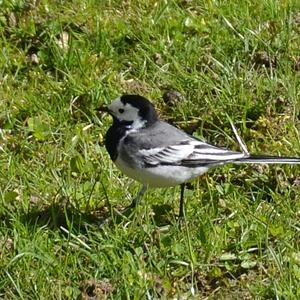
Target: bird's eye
[[121, 110]]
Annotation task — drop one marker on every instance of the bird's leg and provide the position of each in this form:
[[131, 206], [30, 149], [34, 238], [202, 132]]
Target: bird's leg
[[181, 216], [136, 201]]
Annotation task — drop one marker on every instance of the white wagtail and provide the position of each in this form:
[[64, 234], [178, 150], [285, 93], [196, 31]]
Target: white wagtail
[[158, 154]]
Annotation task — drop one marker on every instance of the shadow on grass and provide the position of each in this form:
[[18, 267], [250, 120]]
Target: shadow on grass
[[55, 215]]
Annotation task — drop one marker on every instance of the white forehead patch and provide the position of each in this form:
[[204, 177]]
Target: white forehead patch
[[126, 112]]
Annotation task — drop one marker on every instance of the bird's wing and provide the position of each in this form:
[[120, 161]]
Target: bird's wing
[[188, 153]]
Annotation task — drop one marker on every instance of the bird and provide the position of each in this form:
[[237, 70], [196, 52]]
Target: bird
[[158, 154]]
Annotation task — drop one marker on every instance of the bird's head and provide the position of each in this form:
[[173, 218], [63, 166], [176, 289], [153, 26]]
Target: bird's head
[[133, 110]]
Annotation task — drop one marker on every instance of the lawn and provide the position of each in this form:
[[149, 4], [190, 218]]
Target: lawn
[[202, 63]]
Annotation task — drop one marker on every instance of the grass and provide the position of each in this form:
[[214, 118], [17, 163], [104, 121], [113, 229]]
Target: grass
[[60, 60]]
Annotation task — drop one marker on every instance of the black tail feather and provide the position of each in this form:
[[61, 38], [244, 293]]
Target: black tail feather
[[266, 159]]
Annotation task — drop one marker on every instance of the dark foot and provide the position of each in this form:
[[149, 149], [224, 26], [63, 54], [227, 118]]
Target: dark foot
[[124, 213], [118, 214], [181, 220]]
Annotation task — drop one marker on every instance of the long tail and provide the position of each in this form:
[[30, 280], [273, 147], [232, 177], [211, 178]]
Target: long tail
[[260, 159], [265, 159]]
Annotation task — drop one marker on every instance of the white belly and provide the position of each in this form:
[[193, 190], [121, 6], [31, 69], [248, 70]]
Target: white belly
[[163, 176]]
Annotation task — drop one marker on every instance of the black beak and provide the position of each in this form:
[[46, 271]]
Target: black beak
[[103, 109]]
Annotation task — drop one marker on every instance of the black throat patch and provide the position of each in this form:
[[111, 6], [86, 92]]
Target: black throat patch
[[113, 136]]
